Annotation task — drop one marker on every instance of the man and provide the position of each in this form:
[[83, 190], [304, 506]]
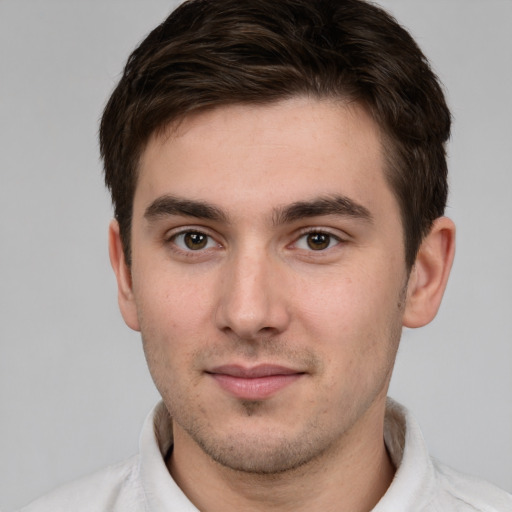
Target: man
[[279, 181]]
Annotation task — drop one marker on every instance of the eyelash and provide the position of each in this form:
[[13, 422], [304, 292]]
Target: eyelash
[[317, 231], [332, 241], [172, 240]]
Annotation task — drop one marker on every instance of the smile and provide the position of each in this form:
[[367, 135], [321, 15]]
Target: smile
[[257, 383]]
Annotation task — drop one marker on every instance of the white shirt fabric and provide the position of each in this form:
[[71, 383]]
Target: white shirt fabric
[[143, 484]]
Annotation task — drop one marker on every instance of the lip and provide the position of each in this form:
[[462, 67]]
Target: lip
[[254, 383]]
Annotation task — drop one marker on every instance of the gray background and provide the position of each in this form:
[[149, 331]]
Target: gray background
[[74, 388]]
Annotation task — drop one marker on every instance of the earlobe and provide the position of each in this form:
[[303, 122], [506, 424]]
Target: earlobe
[[125, 295], [429, 275]]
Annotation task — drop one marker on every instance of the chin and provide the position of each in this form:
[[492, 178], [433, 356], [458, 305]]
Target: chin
[[263, 452]]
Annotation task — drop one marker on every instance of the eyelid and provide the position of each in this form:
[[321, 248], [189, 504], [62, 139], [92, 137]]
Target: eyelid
[[337, 236], [173, 232], [171, 235], [335, 233]]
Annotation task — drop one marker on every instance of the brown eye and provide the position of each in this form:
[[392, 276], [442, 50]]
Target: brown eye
[[190, 241], [318, 241], [195, 241]]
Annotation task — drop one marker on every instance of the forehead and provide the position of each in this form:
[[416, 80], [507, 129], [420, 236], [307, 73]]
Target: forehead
[[246, 155]]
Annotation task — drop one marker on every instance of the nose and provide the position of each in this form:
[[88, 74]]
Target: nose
[[252, 298]]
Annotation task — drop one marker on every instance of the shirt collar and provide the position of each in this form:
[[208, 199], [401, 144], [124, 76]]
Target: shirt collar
[[415, 478], [161, 492]]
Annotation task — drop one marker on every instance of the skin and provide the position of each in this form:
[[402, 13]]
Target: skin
[[230, 268]]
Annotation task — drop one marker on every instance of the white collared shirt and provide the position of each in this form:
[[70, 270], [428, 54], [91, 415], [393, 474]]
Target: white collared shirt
[[143, 483]]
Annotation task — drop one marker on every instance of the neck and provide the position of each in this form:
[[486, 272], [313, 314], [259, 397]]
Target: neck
[[351, 476]]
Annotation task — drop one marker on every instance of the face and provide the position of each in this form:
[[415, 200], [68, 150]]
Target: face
[[268, 279]]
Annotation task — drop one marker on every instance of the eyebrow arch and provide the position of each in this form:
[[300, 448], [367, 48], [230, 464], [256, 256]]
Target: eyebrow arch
[[171, 205], [334, 205]]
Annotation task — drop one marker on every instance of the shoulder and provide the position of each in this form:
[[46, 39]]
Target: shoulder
[[468, 493], [422, 483], [114, 488]]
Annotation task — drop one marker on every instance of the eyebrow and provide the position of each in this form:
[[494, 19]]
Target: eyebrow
[[332, 205], [171, 205]]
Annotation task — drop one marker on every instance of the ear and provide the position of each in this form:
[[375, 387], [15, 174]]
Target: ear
[[125, 294], [429, 274]]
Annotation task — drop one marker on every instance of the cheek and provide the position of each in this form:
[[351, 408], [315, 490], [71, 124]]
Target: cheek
[[356, 302], [173, 314], [169, 334], [355, 322], [172, 298]]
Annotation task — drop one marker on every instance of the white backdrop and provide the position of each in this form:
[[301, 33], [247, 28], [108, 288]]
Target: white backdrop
[[74, 388]]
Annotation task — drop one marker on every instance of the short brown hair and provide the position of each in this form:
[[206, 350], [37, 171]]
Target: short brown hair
[[210, 53]]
